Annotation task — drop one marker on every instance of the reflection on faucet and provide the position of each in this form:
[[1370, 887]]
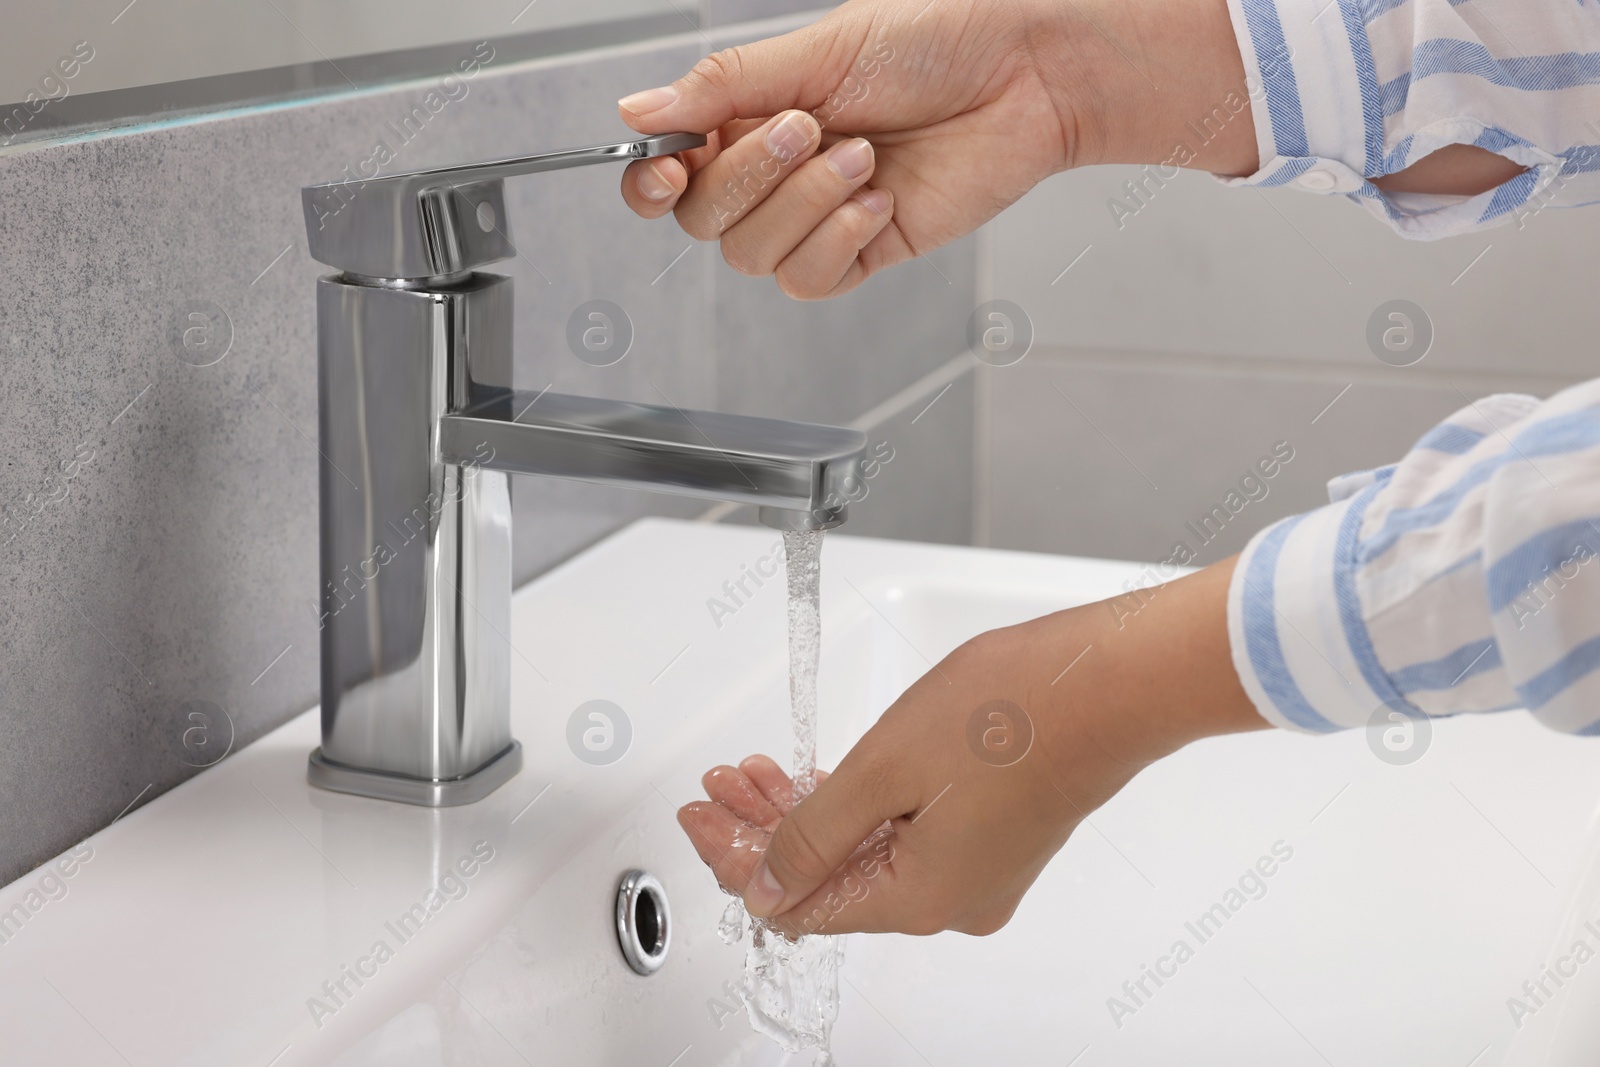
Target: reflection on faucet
[[348, 583]]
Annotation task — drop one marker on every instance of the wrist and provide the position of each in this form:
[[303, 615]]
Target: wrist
[[1148, 82]]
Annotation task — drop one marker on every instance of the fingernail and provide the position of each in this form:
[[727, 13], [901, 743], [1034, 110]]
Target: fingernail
[[877, 201], [850, 159], [763, 896], [649, 100], [791, 135], [653, 185]]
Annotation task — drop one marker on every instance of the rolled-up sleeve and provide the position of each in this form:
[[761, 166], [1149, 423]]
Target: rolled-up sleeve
[[1345, 91], [1465, 578]]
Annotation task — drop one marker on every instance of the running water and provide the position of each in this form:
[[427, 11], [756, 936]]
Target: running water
[[791, 988], [802, 553]]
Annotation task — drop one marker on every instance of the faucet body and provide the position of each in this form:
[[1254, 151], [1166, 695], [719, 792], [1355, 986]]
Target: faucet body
[[420, 428]]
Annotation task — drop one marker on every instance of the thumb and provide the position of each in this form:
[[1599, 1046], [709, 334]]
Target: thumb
[[822, 832], [748, 81]]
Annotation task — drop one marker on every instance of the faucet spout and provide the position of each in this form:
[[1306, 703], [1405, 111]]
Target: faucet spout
[[799, 474]]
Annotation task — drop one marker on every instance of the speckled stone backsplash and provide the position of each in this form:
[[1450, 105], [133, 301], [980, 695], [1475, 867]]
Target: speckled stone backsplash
[[158, 553]]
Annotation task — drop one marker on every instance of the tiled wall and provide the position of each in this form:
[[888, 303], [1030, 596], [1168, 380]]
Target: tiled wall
[[173, 566], [1214, 323]]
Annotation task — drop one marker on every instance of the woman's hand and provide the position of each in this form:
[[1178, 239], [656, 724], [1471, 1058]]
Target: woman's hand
[[944, 814], [891, 127]]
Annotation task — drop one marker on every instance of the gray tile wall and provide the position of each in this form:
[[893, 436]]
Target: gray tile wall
[[1215, 322], [173, 570], [722, 12]]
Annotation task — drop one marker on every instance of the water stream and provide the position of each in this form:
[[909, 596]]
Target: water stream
[[802, 553], [791, 988]]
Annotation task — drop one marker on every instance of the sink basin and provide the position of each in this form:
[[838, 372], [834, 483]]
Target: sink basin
[[246, 918]]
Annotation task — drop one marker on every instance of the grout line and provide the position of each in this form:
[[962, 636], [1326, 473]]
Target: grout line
[[982, 514], [983, 460], [1284, 368], [625, 49]]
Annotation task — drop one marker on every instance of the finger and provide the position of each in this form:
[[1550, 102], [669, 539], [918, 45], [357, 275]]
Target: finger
[[745, 173], [827, 827], [695, 158], [652, 186], [768, 777], [731, 847], [760, 78], [774, 784], [828, 262], [770, 231], [730, 787], [726, 134]]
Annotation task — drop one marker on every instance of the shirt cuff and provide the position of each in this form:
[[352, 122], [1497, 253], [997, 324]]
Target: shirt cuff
[[1295, 627], [1319, 123]]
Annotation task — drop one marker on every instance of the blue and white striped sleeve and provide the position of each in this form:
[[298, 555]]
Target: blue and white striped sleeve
[[1349, 90], [1465, 578]]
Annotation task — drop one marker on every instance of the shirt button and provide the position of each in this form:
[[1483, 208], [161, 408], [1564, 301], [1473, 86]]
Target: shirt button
[[1319, 181]]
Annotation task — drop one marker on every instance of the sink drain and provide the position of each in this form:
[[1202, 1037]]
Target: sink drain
[[644, 925]]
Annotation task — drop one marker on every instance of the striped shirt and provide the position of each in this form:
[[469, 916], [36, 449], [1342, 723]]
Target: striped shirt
[[1349, 90], [1466, 577]]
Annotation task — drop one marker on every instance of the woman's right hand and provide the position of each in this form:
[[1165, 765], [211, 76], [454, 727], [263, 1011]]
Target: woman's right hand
[[891, 127]]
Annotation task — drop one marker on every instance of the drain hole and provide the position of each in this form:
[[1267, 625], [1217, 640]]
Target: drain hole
[[650, 923], [643, 921]]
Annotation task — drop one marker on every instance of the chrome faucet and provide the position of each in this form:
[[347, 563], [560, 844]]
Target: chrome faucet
[[420, 429]]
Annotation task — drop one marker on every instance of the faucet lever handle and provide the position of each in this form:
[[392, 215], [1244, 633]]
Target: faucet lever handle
[[539, 162], [443, 220]]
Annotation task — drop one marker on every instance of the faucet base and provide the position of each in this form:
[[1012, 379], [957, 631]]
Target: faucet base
[[424, 792]]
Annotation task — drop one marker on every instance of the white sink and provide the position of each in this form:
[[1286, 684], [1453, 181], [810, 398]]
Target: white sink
[[1416, 901]]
